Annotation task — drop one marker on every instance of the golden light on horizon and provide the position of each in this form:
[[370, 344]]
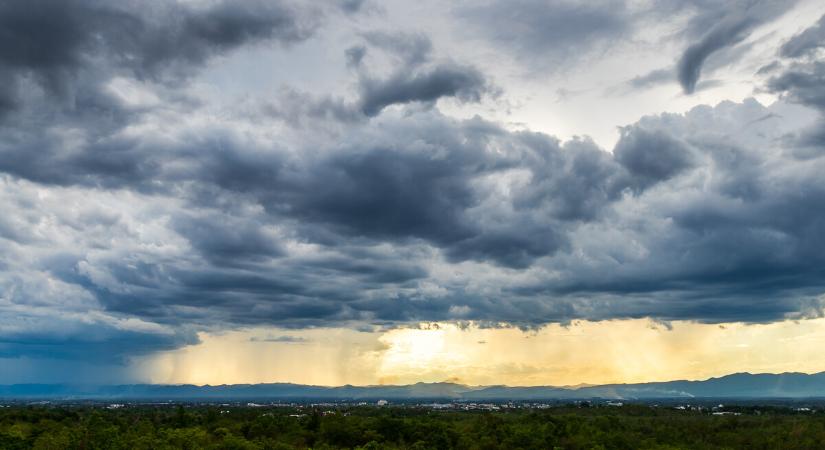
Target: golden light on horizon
[[618, 351]]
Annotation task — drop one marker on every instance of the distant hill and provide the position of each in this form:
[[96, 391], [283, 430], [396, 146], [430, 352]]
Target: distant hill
[[739, 385]]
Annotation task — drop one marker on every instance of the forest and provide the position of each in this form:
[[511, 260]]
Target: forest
[[135, 426]]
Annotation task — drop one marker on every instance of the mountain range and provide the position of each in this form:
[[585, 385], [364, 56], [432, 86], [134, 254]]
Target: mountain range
[[739, 385]]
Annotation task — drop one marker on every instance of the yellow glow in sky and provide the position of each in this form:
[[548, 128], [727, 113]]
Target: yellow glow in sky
[[583, 352]]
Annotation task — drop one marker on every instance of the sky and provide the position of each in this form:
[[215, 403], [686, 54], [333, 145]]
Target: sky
[[517, 192]]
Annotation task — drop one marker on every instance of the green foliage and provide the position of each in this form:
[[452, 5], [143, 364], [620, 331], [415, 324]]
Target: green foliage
[[279, 428]]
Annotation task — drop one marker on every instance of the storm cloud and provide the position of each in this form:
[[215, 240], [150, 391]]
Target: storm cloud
[[143, 204], [355, 232]]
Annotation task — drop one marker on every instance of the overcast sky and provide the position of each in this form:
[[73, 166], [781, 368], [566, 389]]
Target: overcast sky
[[174, 173]]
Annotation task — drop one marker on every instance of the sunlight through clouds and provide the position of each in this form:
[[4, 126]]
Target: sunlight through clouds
[[617, 351]]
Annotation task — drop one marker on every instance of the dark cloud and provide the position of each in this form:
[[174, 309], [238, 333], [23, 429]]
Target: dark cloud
[[730, 26], [8, 100], [417, 216], [224, 241], [51, 326], [412, 79], [220, 27], [651, 156], [801, 82], [62, 43], [384, 193], [76, 340], [461, 82], [809, 41], [724, 34]]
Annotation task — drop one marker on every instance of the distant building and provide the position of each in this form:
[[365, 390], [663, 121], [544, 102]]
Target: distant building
[[382, 403]]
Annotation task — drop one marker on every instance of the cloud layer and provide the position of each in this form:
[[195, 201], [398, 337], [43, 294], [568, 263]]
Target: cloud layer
[[138, 210]]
